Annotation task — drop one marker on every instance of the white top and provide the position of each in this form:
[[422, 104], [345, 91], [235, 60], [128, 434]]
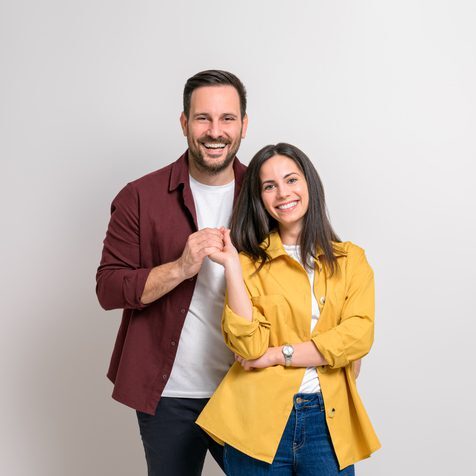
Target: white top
[[202, 357], [310, 381]]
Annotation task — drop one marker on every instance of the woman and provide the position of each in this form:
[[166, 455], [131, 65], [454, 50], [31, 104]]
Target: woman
[[299, 312]]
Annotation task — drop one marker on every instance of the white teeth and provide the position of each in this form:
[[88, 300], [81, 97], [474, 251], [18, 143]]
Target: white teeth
[[287, 205], [214, 146]]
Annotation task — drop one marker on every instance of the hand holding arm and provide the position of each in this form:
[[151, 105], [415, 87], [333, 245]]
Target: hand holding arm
[[305, 354]]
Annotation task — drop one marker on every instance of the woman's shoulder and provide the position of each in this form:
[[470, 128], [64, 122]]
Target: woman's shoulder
[[346, 248], [351, 257]]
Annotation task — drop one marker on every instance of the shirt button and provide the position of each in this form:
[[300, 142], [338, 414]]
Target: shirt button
[[164, 377], [182, 310], [172, 343], [332, 413], [322, 300]]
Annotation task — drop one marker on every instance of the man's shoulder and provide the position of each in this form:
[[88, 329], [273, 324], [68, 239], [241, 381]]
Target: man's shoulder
[[161, 179], [157, 177]]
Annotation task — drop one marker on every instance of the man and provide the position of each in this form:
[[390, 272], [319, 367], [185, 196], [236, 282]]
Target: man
[[169, 354]]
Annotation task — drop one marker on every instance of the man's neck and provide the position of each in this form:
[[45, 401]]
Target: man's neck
[[221, 178]]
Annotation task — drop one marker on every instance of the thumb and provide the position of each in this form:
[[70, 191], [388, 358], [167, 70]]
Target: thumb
[[227, 237]]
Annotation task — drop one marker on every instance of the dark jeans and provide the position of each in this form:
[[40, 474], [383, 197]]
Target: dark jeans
[[174, 445], [305, 448]]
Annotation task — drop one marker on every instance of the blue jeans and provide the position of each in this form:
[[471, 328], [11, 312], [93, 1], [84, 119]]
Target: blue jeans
[[305, 448]]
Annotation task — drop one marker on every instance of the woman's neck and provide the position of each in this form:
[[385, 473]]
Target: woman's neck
[[289, 236]]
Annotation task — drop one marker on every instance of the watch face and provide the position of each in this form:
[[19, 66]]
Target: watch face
[[288, 350]]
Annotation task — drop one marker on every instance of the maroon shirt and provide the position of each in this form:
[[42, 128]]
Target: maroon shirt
[[151, 219]]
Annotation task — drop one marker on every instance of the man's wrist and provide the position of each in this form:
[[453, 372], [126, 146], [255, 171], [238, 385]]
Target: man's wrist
[[177, 271]]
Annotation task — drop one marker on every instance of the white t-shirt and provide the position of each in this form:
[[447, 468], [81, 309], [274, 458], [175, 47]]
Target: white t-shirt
[[310, 381], [202, 357]]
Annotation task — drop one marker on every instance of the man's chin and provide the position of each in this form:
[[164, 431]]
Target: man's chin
[[213, 165]]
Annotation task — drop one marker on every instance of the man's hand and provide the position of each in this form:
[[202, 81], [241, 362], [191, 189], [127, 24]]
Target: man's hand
[[199, 245], [165, 277]]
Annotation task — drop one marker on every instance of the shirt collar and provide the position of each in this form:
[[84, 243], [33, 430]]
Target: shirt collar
[[274, 247]]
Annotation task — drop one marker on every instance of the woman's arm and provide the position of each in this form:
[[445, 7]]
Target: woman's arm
[[305, 354], [245, 330], [238, 299], [352, 338]]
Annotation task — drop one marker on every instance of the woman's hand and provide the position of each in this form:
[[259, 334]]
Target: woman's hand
[[356, 365], [229, 253], [270, 358]]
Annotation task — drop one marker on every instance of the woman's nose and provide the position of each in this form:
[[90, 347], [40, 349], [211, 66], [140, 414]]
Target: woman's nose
[[283, 191]]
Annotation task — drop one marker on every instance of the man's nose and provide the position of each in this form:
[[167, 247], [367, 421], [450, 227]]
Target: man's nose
[[214, 130]]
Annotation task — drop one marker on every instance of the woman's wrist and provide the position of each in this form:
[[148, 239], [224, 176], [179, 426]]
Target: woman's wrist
[[232, 264], [277, 355]]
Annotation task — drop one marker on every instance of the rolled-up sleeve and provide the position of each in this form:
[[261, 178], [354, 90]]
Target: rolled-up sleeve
[[120, 279], [249, 339], [352, 338]]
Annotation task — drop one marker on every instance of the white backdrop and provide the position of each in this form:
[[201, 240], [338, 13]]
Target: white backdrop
[[381, 95]]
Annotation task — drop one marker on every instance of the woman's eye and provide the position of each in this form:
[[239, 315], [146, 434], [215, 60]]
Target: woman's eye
[[268, 187], [292, 180]]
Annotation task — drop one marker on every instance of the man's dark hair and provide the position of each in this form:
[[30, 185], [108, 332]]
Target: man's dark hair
[[213, 77], [251, 223]]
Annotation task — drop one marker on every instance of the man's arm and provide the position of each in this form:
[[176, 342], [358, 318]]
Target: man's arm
[[122, 282], [166, 277]]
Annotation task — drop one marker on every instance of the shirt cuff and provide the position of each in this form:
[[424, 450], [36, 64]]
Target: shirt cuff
[[241, 327]]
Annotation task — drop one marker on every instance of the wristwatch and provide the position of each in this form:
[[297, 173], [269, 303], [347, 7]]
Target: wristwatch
[[288, 351]]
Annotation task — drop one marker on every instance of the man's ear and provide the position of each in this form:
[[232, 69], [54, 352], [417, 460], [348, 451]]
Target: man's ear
[[184, 123], [245, 126]]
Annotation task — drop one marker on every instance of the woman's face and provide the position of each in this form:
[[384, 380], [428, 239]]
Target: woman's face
[[285, 195]]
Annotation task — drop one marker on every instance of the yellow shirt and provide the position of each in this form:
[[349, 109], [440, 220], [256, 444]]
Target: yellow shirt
[[250, 409]]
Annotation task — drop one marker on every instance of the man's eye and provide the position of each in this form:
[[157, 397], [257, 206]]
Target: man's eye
[[229, 118]]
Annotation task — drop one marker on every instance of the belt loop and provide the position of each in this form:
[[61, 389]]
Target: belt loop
[[321, 400]]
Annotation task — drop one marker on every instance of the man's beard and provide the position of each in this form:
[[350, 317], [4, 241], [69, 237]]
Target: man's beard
[[213, 168]]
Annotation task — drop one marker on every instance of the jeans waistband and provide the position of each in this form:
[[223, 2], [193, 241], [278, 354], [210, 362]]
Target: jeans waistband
[[303, 400]]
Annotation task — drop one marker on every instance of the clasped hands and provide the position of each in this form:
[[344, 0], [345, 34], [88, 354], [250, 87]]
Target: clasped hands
[[212, 242]]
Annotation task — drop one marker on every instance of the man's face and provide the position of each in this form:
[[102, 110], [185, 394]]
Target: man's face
[[214, 128]]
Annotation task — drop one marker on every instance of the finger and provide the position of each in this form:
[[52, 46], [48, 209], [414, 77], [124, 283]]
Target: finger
[[204, 232], [227, 238], [200, 242], [210, 250]]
